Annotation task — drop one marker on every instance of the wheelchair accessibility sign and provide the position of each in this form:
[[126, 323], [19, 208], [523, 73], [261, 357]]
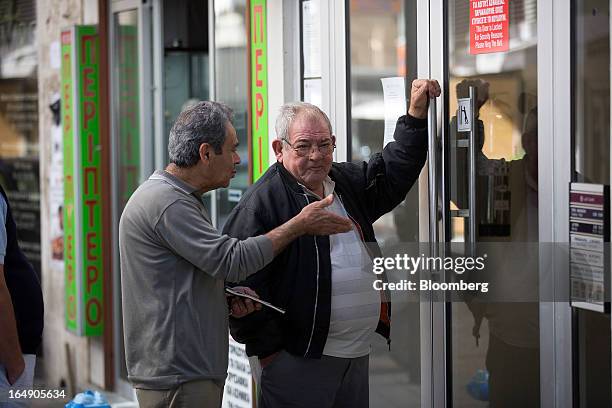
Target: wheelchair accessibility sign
[[464, 115]]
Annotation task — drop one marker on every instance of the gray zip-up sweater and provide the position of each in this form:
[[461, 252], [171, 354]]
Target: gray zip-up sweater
[[173, 267]]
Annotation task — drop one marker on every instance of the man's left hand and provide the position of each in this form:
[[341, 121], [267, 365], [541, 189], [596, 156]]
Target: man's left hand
[[240, 307], [422, 90]]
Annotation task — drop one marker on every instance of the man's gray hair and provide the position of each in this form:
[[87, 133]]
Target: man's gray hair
[[202, 122], [289, 111]]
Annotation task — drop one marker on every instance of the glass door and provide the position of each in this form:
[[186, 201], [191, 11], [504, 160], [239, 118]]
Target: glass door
[[230, 85], [591, 151], [485, 351], [492, 62], [132, 157], [382, 44]]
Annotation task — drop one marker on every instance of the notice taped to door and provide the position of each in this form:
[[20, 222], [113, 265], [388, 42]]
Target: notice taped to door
[[489, 20]]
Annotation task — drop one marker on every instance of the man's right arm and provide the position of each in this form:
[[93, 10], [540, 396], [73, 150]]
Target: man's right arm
[[10, 351], [261, 331], [182, 229], [313, 220]]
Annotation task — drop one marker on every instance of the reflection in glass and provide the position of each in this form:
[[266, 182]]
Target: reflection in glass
[[231, 75], [19, 162], [380, 47], [127, 102], [127, 121], [19, 139], [592, 165], [186, 64], [592, 91], [501, 338], [185, 81]]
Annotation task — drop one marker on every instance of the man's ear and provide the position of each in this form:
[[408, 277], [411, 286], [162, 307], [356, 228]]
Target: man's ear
[[277, 145], [205, 151]]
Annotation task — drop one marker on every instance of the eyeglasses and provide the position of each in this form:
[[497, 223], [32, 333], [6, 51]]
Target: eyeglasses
[[304, 149]]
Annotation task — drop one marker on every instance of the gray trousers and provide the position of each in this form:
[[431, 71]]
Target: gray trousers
[[192, 394], [331, 382]]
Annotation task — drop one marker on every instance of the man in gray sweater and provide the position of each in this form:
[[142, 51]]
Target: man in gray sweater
[[174, 265]]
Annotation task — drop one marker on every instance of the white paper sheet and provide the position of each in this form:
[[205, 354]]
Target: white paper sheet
[[394, 91], [238, 390], [55, 58], [311, 32], [313, 92]]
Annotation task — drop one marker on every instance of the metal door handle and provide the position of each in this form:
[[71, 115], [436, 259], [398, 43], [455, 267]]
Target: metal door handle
[[472, 169], [432, 160]]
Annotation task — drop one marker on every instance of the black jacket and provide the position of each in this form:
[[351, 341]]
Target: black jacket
[[24, 287], [299, 279]]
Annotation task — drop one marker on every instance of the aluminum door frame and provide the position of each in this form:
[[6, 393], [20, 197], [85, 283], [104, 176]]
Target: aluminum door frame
[[554, 174], [434, 335]]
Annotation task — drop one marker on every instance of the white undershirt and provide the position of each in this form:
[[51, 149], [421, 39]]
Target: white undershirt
[[355, 304]]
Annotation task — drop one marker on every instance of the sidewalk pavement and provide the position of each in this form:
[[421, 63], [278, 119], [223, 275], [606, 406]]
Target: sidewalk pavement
[[115, 400]]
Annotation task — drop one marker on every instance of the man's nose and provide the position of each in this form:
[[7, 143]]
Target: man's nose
[[315, 153], [237, 159]]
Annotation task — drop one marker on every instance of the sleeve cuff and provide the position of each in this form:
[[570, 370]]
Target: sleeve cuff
[[415, 123], [411, 131]]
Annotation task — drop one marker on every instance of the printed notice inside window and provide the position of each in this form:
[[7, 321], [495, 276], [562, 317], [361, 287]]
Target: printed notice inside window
[[489, 21]]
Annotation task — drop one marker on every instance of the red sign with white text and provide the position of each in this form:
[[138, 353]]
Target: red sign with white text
[[489, 20]]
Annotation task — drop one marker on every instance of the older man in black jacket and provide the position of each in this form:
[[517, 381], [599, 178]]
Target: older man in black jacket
[[316, 355]]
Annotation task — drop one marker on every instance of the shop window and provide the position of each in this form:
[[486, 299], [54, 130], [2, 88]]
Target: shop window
[[231, 73], [186, 57], [383, 43], [19, 148], [591, 105]]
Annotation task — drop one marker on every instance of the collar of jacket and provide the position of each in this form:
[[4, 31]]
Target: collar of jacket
[[294, 185], [291, 182]]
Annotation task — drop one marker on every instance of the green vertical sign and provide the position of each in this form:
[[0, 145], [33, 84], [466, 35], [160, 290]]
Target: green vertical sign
[[92, 270], [82, 180], [259, 87], [67, 96]]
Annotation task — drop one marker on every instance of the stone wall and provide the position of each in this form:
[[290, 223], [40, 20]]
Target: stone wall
[[52, 16]]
